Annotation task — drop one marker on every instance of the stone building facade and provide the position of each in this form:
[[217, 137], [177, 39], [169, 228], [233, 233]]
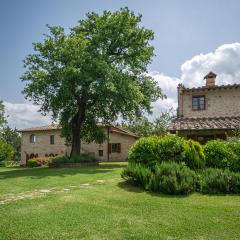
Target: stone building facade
[[46, 141], [207, 112]]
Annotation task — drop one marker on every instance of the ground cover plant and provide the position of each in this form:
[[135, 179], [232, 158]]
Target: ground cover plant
[[94, 203]]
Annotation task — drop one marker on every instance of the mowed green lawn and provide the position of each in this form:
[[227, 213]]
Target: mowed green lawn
[[94, 203]]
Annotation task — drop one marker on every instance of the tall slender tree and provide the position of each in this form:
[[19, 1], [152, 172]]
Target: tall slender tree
[[97, 72]]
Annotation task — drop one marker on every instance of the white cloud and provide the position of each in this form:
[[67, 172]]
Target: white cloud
[[224, 61], [24, 115]]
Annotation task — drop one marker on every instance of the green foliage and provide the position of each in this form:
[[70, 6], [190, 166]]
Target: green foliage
[[137, 174], [152, 150], [142, 127], [60, 159], [83, 158], [33, 163], [6, 151], [144, 151], [220, 181], [235, 163], [218, 154], [171, 148], [12, 137], [173, 178], [194, 155], [96, 72], [3, 120]]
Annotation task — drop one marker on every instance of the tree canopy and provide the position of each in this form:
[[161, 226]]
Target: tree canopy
[[143, 127], [96, 73], [10, 140]]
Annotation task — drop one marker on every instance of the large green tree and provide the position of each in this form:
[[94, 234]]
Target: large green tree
[[95, 73]]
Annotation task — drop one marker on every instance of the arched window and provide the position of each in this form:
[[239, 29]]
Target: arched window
[[33, 138]]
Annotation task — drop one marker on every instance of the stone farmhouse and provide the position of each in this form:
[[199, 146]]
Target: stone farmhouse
[[46, 141], [207, 112]]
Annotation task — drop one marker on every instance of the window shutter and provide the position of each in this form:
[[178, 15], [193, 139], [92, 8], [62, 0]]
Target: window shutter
[[109, 148], [119, 148]]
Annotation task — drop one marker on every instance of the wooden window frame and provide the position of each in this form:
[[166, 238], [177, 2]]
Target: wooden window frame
[[100, 153], [52, 139], [114, 148], [199, 106], [32, 138]]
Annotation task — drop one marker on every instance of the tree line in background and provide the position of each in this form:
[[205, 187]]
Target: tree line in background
[[10, 140], [143, 127]]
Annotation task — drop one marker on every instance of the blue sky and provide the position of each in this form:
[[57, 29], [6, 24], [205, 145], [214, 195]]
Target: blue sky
[[183, 30]]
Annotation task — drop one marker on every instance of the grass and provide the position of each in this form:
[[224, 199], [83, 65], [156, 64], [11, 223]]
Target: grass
[[94, 203]]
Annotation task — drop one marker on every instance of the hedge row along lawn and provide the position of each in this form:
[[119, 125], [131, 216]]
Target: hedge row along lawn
[[95, 203]]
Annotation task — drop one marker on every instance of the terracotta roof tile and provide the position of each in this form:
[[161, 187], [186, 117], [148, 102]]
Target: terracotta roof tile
[[205, 123], [56, 127], [208, 88], [41, 128]]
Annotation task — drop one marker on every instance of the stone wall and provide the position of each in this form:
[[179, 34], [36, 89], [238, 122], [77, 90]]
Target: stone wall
[[42, 146], [219, 103]]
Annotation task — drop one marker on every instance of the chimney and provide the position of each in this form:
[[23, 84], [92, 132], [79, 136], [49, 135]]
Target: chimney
[[210, 79]]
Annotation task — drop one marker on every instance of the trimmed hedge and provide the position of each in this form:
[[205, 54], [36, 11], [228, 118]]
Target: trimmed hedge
[[83, 158]]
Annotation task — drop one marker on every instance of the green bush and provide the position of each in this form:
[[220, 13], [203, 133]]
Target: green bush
[[194, 155], [84, 157], [59, 160], [152, 150], [6, 151], [171, 148], [218, 154], [235, 163], [173, 178], [33, 163], [220, 181], [138, 174], [144, 151]]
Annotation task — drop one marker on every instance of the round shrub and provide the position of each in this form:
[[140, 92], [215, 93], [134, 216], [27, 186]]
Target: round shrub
[[220, 181], [171, 148], [173, 178], [152, 150], [6, 151], [33, 163], [144, 151], [138, 174], [194, 155], [218, 154]]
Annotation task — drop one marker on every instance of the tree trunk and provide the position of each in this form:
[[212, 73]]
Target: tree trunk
[[77, 122]]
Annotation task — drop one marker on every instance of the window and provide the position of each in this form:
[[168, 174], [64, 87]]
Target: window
[[100, 153], [32, 138], [198, 102], [52, 139], [114, 147]]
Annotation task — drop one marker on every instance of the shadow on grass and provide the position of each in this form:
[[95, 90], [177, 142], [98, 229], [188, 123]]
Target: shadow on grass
[[42, 172]]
